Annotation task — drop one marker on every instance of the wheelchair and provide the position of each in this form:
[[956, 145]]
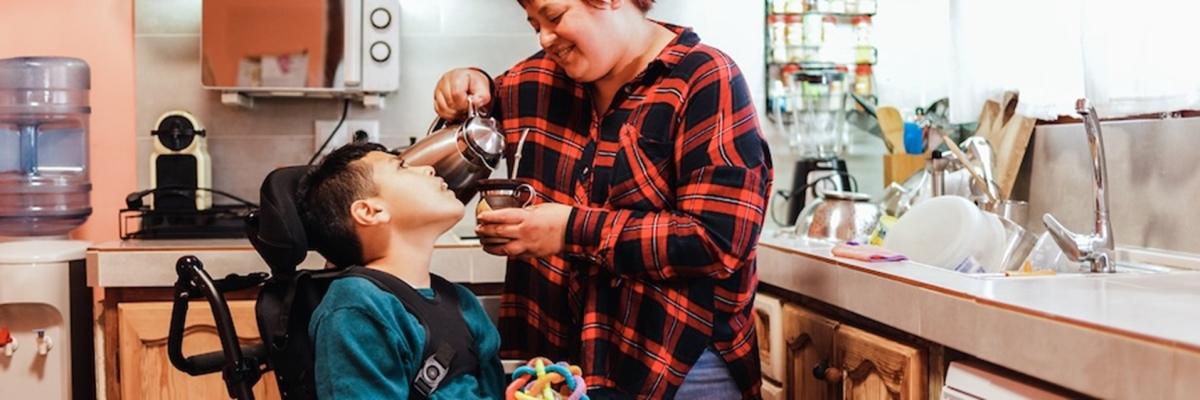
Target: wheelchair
[[286, 300], [278, 236]]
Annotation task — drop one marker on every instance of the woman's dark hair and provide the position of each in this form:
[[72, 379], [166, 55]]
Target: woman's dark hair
[[326, 194], [643, 5]]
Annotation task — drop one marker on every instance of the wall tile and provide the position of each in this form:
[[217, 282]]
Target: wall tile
[[240, 162], [158, 17], [421, 17], [484, 17]]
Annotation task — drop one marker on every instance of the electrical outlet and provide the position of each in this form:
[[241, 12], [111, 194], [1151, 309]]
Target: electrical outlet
[[344, 134]]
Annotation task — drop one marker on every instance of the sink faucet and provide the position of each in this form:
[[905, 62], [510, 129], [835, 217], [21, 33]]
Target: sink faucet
[[1098, 248]]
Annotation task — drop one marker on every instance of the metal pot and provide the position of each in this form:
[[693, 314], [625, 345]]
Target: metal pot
[[461, 153], [840, 216]]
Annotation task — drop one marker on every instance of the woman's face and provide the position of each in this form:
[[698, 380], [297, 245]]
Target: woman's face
[[577, 36]]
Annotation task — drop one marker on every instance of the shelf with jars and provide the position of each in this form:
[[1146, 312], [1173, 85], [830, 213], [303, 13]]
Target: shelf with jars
[[819, 53], [846, 7]]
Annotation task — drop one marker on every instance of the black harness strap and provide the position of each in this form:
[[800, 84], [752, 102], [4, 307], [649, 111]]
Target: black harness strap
[[449, 345]]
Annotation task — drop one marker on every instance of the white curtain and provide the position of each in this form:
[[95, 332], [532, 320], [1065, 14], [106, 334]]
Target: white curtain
[[1140, 57], [1126, 57], [1028, 45]]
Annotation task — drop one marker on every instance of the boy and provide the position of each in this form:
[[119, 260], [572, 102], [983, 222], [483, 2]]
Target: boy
[[362, 207]]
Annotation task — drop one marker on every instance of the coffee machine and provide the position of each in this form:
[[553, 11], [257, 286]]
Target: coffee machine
[[180, 164], [813, 175]]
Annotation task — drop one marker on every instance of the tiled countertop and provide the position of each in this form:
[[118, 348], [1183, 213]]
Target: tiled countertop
[[1124, 336], [150, 263]]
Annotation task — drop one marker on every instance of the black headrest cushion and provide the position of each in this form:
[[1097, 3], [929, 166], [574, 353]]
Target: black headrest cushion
[[278, 233]]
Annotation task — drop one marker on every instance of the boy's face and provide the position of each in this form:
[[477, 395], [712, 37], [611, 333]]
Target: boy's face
[[413, 195]]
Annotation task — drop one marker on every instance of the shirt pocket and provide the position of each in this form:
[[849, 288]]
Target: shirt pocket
[[643, 175]]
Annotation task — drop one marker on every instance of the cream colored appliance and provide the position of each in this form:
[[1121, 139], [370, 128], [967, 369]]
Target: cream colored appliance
[[179, 164]]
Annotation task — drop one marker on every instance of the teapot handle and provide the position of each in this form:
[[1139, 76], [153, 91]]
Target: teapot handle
[[439, 122]]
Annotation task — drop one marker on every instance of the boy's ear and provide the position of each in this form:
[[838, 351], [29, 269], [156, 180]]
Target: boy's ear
[[369, 212]]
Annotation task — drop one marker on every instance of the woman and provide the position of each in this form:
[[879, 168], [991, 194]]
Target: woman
[[644, 148]]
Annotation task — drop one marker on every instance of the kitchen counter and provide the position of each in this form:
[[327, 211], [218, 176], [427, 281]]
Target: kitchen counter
[[1122, 336], [150, 263]]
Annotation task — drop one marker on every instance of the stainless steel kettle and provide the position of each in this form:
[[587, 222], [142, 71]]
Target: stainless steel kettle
[[461, 153]]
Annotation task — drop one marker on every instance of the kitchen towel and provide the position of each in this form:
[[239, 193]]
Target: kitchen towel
[[868, 253]]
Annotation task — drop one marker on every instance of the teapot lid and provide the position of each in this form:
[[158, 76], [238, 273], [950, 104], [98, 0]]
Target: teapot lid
[[483, 136], [843, 195]]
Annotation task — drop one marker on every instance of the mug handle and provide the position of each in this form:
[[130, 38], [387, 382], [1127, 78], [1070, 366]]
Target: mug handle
[[524, 187]]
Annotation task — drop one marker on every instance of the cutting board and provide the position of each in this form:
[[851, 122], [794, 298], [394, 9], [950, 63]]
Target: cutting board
[[1008, 133]]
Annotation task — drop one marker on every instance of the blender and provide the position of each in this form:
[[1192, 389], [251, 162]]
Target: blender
[[818, 135], [45, 305]]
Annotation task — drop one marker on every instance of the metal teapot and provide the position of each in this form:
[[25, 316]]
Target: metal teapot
[[461, 153]]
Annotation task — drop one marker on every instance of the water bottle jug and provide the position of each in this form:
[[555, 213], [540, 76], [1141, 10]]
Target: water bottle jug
[[44, 186]]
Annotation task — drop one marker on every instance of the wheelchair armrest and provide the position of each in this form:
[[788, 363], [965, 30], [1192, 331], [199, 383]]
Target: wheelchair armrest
[[208, 363], [235, 282], [239, 365]]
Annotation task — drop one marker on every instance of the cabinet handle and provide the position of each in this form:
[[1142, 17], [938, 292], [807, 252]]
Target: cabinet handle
[[822, 371]]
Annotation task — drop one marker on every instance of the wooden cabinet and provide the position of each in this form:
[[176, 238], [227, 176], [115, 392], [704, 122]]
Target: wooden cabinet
[[146, 372], [855, 364], [809, 339], [874, 367]]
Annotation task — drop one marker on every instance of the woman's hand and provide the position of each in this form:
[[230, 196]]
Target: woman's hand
[[452, 90], [536, 231]]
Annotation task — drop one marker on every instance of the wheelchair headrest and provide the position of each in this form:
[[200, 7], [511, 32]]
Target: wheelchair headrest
[[276, 230]]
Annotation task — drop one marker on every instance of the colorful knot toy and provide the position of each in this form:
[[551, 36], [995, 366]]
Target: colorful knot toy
[[538, 379]]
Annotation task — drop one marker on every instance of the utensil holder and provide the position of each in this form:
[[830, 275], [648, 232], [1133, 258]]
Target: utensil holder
[[898, 167]]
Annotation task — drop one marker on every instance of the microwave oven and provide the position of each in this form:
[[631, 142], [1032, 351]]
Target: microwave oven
[[317, 48]]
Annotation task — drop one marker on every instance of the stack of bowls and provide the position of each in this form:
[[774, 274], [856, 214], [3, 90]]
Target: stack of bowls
[[950, 232]]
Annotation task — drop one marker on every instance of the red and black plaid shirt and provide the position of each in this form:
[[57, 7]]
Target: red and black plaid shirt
[[669, 187]]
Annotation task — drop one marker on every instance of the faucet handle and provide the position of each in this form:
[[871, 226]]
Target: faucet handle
[[1075, 246]]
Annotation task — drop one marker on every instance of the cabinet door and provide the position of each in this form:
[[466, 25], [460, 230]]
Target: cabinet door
[[809, 339], [877, 368], [146, 372]]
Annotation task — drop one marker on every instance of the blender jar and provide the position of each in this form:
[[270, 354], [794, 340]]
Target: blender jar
[[820, 115], [44, 108]]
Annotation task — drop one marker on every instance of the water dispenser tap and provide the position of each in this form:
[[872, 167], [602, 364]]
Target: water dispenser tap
[[44, 344], [10, 347]]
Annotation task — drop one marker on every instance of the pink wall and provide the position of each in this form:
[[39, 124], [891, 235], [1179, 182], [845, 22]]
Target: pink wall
[[100, 32]]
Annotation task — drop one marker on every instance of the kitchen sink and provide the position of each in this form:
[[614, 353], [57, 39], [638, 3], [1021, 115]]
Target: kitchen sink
[[1130, 261]]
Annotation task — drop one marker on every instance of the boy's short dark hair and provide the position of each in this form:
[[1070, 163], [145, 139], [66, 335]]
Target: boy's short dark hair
[[326, 194]]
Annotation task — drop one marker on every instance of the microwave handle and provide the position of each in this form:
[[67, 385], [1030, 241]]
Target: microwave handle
[[353, 43]]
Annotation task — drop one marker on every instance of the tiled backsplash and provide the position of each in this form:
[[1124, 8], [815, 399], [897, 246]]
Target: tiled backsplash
[[436, 35], [1153, 182]]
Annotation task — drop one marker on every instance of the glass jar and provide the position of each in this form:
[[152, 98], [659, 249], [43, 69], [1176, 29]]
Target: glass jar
[[863, 84], [852, 7], [822, 5], [779, 6], [795, 37], [866, 6], [837, 6], [828, 27], [862, 30], [778, 40], [796, 6], [814, 30]]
